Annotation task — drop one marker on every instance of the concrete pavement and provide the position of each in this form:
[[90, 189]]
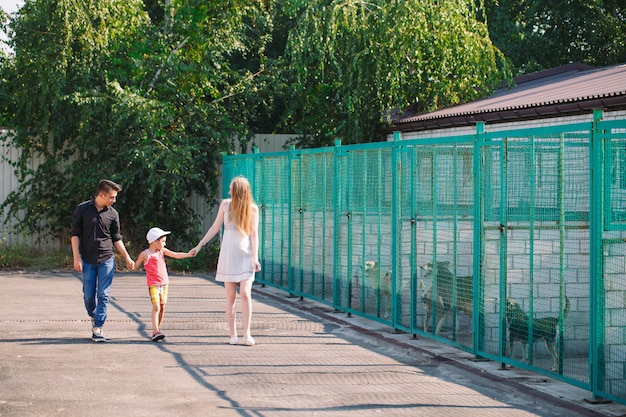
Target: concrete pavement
[[308, 361]]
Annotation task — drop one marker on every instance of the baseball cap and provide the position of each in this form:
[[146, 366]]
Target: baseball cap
[[155, 233]]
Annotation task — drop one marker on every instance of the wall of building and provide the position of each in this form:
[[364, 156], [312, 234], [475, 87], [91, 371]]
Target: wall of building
[[497, 127]]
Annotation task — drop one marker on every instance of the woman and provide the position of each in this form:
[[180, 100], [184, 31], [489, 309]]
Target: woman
[[238, 259]]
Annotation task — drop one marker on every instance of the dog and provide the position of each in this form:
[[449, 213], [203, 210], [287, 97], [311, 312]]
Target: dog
[[371, 270], [545, 329], [444, 302], [383, 290]]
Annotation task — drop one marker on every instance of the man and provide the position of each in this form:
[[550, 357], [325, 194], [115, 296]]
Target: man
[[95, 232]]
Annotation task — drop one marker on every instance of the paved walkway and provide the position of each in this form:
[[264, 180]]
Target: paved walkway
[[309, 360]]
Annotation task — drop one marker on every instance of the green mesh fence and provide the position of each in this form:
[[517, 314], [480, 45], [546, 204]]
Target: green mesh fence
[[609, 291], [510, 245], [535, 258]]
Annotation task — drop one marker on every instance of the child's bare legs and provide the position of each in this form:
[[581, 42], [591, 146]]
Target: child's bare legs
[[157, 317], [245, 290], [231, 298], [161, 313], [158, 296]]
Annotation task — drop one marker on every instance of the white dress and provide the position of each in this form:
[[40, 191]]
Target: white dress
[[235, 261]]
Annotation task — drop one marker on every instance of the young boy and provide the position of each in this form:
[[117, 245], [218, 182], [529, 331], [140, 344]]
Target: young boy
[[153, 261]]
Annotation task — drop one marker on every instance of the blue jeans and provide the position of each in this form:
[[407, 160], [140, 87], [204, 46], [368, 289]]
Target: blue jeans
[[97, 280]]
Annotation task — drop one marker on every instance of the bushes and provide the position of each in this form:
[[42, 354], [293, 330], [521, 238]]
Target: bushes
[[22, 257]]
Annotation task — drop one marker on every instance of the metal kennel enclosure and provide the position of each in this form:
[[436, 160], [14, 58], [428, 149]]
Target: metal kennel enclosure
[[439, 237]]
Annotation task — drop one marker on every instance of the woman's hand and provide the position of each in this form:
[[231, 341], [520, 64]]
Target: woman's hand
[[195, 250]]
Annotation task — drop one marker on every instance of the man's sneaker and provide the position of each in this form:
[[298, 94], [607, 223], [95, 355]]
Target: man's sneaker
[[97, 336], [158, 336]]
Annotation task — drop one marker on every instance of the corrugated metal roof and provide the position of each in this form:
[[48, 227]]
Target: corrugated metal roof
[[569, 89]]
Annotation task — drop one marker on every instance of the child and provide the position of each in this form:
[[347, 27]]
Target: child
[[153, 261]]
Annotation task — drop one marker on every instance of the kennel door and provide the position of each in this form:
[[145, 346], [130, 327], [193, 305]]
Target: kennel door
[[490, 256]]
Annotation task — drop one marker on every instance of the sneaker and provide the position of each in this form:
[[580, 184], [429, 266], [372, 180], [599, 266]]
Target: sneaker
[[233, 340], [249, 341], [97, 336], [158, 336]]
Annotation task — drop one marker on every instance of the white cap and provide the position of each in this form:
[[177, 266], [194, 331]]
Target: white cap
[[155, 233]]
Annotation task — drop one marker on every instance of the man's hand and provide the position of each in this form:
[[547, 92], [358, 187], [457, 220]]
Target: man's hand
[[78, 265]]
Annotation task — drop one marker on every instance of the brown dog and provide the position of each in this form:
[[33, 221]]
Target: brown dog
[[545, 329], [445, 282]]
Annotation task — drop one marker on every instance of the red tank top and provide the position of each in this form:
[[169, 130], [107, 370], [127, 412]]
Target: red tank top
[[156, 270]]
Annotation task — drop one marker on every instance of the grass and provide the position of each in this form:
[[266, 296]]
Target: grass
[[22, 257], [19, 257]]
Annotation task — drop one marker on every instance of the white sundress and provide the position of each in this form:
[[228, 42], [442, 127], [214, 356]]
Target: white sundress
[[235, 260]]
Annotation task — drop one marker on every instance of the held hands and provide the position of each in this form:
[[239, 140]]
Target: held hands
[[195, 250]]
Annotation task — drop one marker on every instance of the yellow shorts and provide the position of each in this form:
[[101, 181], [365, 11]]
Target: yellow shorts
[[158, 294]]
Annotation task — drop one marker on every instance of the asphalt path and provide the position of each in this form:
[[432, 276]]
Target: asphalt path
[[309, 360]]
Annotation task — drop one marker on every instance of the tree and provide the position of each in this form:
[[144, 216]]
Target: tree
[[149, 94], [536, 35], [104, 89], [350, 62]]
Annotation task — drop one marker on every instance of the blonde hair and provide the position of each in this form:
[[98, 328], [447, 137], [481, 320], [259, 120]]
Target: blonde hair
[[241, 205]]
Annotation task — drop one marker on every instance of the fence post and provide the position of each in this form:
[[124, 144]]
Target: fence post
[[227, 167], [395, 313], [290, 271], [597, 372], [336, 228], [477, 318]]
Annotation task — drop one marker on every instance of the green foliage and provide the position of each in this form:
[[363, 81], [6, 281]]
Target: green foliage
[[23, 257], [536, 34], [150, 93], [104, 89], [205, 260], [351, 62]]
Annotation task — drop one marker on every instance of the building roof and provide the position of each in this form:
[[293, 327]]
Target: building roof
[[566, 90]]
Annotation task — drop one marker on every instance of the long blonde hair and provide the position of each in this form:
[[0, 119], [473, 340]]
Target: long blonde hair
[[241, 205]]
